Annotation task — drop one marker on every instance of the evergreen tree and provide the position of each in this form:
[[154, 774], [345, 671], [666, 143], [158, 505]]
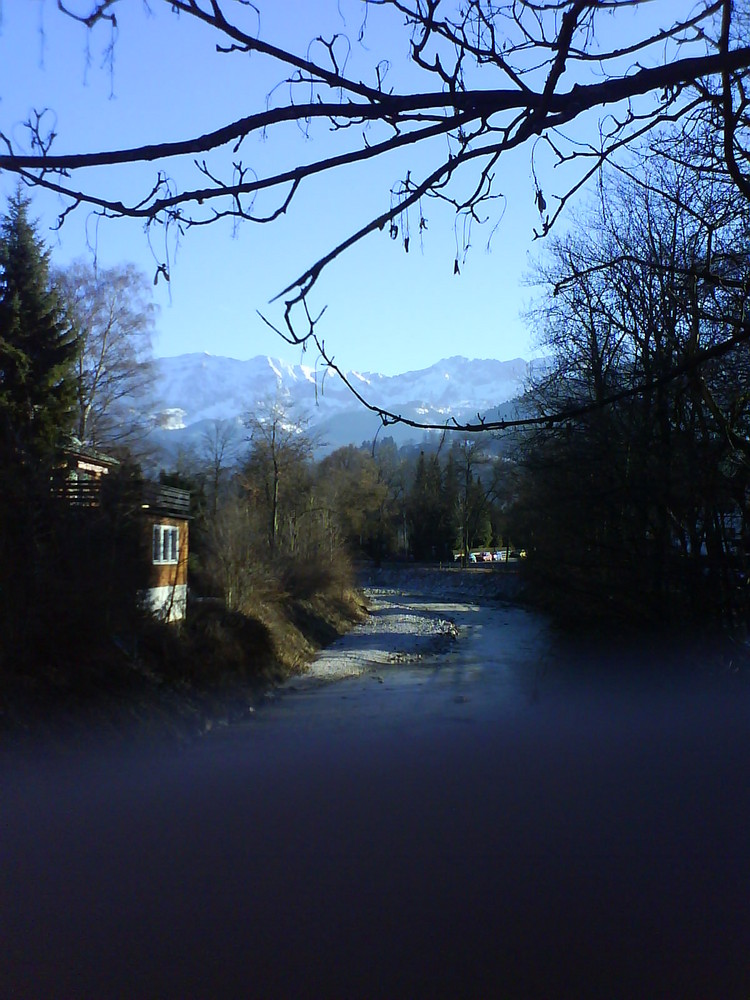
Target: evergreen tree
[[37, 351], [443, 531], [429, 530], [480, 523], [418, 509], [451, 520], [37, 347], [437, 512]]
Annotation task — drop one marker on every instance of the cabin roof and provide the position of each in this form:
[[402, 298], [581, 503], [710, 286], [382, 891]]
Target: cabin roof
[[166, 500]]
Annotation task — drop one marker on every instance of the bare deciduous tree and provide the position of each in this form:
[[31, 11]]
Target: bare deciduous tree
[[280, 447], [220, 447], [113, 315], [645, 503], [230, 556]]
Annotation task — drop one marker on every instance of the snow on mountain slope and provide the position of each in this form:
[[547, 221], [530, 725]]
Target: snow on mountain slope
[[193, 388]]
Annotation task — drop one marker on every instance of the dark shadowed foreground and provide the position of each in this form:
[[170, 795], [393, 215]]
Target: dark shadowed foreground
[[510, 818]]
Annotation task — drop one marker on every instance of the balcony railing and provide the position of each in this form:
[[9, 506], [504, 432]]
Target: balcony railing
[[167, 500], [79, 492]]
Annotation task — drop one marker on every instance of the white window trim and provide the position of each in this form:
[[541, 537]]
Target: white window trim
[[159, 532]]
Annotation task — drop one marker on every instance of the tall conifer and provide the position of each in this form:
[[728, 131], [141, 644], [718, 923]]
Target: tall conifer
[[37, 350], [37, 346]]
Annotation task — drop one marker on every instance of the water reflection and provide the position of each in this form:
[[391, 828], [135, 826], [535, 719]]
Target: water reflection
[[523, 819]]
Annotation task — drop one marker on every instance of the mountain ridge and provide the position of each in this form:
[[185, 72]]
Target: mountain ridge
[[208, 386], [191, 392]]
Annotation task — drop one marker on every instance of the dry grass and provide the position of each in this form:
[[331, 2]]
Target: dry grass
[[166, 678]]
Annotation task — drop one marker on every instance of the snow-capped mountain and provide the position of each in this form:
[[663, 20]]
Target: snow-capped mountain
[[192, 391]]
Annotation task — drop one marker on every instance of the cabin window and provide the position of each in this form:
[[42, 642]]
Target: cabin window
[[165, 544]]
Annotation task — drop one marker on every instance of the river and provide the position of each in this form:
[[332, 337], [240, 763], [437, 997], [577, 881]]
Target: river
[[502, 814]]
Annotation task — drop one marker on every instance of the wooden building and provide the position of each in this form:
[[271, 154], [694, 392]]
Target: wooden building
[[81, 477], [162, 512], [165, 513]]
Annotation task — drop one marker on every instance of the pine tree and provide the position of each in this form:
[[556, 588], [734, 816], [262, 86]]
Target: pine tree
[[430, 530], [37, 347], [451, 518], [416, 504], [444, 509], [37, 351]]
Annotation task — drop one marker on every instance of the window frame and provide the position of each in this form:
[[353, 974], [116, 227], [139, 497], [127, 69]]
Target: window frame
[[168, 536]]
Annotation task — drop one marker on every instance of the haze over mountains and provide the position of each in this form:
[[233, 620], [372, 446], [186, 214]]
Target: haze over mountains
[[193, 391]]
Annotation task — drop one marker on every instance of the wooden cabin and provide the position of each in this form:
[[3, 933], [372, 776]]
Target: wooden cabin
[[165, 513], [80, 478]]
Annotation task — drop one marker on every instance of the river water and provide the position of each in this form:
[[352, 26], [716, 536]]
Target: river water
[[516, 817]]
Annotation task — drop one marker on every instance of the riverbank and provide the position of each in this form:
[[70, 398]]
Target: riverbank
[[412, 616], [220, 666], [167, 681]]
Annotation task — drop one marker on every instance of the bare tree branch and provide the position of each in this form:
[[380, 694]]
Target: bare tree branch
[[491, 77]]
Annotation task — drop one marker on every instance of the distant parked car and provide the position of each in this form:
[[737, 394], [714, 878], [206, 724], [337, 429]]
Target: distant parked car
[[486, 557], [472, 557], [498, 556]]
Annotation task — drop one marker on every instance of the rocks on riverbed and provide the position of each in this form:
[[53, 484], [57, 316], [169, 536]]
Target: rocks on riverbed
[[400, 629]]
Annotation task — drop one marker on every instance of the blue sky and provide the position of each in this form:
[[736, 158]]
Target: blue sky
[[386, 310]]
